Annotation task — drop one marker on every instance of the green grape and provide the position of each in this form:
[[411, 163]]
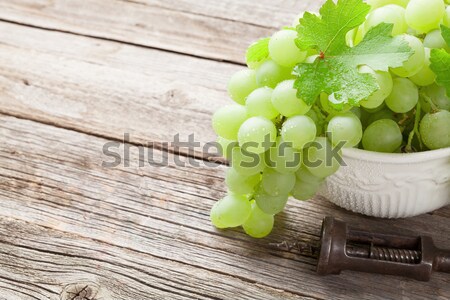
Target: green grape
[[404, 96], [350, 38], [359, 35], [304, 175], [415, 63], [442, 102], [254, 65], [240, 184], [390, 13], [286, 102], [241, 85], [385, 84], [259, 224], [412, 32], [231, 211], [257, 134], [317, 120], [276, 184], [332, 108], [438, 95], [270, 204], [355, 36], [435, 130], [376, 109], [318, 158], [379, 3], [347, 128], [226, 146], [247, 163], [283, 50], [227, 120], [299, 131], [435, 40], [270, 74], [259, 103], [424, 15], [382, 136], [305, 190], [283, 158], [425, 76]]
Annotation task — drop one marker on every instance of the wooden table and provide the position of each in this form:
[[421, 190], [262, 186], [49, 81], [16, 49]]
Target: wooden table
[[76, 75]]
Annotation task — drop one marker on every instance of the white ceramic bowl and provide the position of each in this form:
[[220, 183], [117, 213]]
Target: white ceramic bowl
[[391, 185]]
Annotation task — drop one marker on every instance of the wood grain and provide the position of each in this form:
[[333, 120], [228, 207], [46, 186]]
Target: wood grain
[[107, 88], [52, 262], [154, 221], [219, 30], [95, 70]]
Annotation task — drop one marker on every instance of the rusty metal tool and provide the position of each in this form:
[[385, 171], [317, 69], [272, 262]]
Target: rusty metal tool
[[343, 247]]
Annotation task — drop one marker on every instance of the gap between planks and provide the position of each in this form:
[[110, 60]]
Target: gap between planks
[[106, 39]]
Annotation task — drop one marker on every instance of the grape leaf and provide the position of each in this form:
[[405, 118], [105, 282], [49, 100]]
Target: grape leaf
[[337, 73], [258, 51], [440, 62], [446, 34], [327, 32]]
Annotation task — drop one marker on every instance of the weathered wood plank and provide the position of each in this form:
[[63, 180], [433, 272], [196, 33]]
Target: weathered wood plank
[[53, 177], [219, 30], [264, 13], [107, 88], [50, 262]]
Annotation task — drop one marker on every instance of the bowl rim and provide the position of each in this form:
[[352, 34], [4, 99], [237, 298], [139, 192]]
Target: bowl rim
[[397, 158]]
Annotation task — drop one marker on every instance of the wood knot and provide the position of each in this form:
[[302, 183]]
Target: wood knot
[[83, 291], [174, 98]]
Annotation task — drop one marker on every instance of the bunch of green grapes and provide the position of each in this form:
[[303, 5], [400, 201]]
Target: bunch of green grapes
[[279, 146]]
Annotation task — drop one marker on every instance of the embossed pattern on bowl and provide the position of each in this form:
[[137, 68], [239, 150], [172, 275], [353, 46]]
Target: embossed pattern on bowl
[[391, 185]]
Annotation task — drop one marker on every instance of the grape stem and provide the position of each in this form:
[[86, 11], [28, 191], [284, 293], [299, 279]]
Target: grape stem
[[433, 106], [404, 119], [279, 122], [319, 112], [415, 130], [322, 117]]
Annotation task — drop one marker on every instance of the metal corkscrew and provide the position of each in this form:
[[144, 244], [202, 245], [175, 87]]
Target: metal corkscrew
[[343, 247]]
